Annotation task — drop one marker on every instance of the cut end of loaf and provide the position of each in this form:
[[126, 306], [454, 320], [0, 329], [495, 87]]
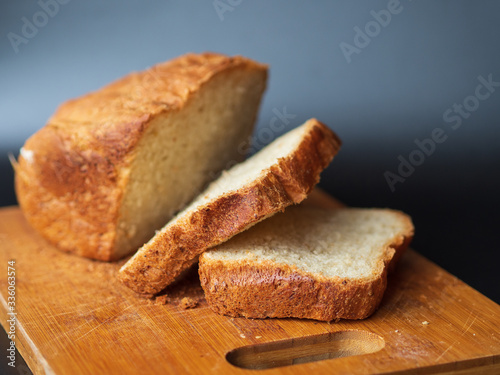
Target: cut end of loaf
[[306, 263]]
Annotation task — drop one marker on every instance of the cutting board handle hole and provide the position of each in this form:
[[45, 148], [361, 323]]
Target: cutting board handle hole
[[305, 349]]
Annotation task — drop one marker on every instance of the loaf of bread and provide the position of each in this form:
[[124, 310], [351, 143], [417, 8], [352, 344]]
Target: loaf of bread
[[307, 262], [113, 166], [281, 174]]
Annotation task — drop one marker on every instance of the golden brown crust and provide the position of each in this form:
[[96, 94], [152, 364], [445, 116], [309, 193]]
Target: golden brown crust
[[72, 191], [269, 290], [178, 246]]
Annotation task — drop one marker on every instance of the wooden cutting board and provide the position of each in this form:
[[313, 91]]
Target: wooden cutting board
[[73, 317]]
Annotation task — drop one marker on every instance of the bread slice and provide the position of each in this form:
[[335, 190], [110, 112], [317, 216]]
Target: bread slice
[[307, 262], [115, 165], [281, 174]]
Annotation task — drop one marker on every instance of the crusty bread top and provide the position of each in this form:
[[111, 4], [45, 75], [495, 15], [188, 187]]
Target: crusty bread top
[[348, 243], [281, 174], [116, 114]]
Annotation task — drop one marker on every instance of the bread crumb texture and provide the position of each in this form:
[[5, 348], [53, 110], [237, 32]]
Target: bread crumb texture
[[343, 244]]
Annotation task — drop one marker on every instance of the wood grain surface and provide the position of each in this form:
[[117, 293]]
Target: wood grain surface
[[74, 317]]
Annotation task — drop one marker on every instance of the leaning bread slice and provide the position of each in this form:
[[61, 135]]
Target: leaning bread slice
[[307, 262], [281, 174], [113, 166]]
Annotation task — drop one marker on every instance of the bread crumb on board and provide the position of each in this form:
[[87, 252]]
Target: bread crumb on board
[[162, 300], [425, 323], [184, 294], [188, 303], [184, 303]]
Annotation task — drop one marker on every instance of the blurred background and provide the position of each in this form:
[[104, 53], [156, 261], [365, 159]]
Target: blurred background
[[412, 89]]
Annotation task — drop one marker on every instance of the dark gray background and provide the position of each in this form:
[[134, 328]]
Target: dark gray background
[[394, 91]]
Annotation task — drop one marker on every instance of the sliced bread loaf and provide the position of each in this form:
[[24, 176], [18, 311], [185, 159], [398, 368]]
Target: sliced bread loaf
[[115, 165], [281, 174], [307, 262]]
